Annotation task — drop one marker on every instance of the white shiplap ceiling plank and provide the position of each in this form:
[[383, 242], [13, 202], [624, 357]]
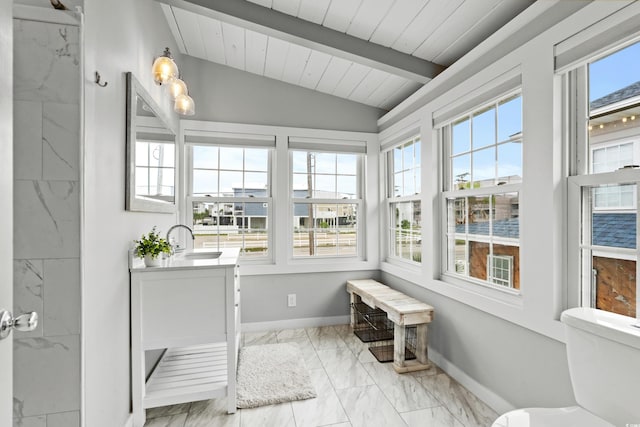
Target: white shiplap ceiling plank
[[368, 17], [263, 3], [399, 95], [233, 45], [371, 82], [313, 10], [190, 30], [290, 7], [173, 26], [469, 13], [340, 14], [333, 74], [255, 52], [393, 24], [351, 79], [295, 64], [211, 30], [493, 19], [441, 31], [390, 85], [427, 21], [316, 65], [276, 56]]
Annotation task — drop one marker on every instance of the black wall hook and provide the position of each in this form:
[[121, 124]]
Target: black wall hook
[[98, 81]]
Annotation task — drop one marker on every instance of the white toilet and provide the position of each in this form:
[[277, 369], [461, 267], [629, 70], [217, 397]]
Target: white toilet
[[603, 351]]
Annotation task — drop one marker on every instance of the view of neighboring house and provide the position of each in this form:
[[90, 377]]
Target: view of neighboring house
[[614, 140], [614, 137]]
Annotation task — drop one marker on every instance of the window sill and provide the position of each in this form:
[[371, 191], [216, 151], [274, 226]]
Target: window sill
[[506, 305], [315, 266]]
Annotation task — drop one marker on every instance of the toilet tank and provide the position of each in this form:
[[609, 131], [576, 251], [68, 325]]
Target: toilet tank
[[603, 351]]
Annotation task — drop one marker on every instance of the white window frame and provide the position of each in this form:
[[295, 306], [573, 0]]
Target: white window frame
[[491, 268], [392, 200], [324, 146], [236, 141], [449, 271], [581, 179]]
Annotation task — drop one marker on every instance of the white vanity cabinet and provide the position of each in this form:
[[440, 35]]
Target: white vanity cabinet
[[191, 308]]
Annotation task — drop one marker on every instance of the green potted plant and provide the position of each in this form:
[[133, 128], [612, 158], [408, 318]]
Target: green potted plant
[[150, 247]]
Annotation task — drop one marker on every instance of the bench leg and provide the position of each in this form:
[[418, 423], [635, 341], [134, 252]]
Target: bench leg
[[399, 340], [421, 344], [352, 309]]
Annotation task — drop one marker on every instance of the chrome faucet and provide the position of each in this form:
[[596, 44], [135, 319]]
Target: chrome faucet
[[176, 248]]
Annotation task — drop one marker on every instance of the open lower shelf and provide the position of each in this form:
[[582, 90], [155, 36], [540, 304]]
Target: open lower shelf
[[187, 374]]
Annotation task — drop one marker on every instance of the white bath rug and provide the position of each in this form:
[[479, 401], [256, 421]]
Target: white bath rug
[[270, 374]]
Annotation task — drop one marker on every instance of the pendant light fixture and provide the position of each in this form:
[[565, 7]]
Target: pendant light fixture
[[165, 72], [176, 87], [164, 68], [184, 105]]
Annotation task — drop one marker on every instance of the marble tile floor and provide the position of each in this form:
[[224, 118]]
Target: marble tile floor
[[354, 390]]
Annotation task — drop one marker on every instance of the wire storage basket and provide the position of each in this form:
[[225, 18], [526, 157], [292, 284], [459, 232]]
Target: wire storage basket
[[370, 324], [383, 350]]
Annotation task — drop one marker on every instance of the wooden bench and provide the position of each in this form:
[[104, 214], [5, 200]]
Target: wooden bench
[[403, 311]]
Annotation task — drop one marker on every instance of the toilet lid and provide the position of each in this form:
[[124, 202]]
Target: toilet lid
[[573, 416]]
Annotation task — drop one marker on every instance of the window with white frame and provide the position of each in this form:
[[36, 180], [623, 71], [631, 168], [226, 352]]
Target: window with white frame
[[403, 201], [326, 199], [229, 194], [155, 167], [604, 179], [502, 270], [483, 173]]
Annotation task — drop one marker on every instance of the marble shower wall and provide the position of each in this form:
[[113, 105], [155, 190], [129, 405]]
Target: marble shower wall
[[47, 223]]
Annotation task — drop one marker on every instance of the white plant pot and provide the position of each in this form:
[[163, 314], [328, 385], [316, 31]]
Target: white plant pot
[[153, 262]]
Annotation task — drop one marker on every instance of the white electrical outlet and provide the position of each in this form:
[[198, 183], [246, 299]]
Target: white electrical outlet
[[291, 300]]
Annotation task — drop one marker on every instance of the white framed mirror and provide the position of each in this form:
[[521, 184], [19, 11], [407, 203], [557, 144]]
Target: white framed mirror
[[151, 153]]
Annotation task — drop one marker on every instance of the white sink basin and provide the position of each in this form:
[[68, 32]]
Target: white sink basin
[[202, 255]]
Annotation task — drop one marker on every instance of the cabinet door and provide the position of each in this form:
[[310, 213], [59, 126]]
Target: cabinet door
[[183, 308]]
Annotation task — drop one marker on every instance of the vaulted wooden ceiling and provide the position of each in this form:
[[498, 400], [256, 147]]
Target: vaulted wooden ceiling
[[376, 52]]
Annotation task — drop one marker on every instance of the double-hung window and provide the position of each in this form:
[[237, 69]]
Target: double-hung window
[[326, 208], [481, 198], [155, 163], [604, 102], [229, 191], [403, 201]]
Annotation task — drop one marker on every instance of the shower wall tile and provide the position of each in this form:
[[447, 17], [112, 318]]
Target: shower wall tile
[[46, 219], [28, 293], [47, 223], [46, 375], [27, 136], [40, 421], [65, 419], [61, 297], [46, 62], [60, 141]]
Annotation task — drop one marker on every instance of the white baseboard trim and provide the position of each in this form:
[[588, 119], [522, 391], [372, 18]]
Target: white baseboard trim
[[494, 401], [307, 322]]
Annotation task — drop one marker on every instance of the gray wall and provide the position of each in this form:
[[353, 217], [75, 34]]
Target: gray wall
[[120, 36], [323, 294], [47, 223], [227, 94], [523, 367]]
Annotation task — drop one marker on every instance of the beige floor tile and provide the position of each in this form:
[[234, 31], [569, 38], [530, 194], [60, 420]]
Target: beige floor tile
[[437, 416], [343, 368], [368, 407], [273, 415], [324, 409], [464, 406]]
